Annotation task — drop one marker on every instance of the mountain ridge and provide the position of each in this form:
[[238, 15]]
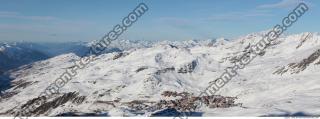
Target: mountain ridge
[[121, 85]]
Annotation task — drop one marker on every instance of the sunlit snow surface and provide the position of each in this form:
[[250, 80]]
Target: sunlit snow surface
[[258, 88]]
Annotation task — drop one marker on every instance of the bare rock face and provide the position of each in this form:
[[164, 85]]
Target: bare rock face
[[296, 68], [165, 70], [45, 105], [174, 94], [281, 70], [79, 99], [303, 39], [306, 62], [79, 114], [7, 95], [119, 55], [188, 68], [21, 84], [141, 69]]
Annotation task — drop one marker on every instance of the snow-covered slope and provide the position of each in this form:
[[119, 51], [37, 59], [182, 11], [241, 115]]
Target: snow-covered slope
[[14, 55], [282, 81]]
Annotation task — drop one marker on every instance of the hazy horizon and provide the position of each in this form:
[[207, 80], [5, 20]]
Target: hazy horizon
[[41, 21]]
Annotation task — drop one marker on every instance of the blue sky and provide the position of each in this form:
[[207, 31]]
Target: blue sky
[[87, 20]]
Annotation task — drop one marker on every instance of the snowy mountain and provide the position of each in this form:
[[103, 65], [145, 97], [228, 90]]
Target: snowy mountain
[[155, 79], [15, 54]]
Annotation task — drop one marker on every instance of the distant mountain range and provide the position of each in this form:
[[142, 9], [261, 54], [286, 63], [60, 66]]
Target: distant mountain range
[[159, 78], [15, 54]]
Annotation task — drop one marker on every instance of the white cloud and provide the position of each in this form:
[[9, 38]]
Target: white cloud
[[16, 15], [236, 16], [181, 23], [282, 4]]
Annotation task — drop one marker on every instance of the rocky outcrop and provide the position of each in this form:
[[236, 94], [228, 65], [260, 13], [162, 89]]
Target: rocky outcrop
[[174, 94], [7, 95], [79, 114], [165, 70], [303, 39], [305, 62], [21, 84], [47, 106], [296, 68], [78, 100], [112, 103], [188, 68], [141, 69], [281, 70], [119, 55]]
